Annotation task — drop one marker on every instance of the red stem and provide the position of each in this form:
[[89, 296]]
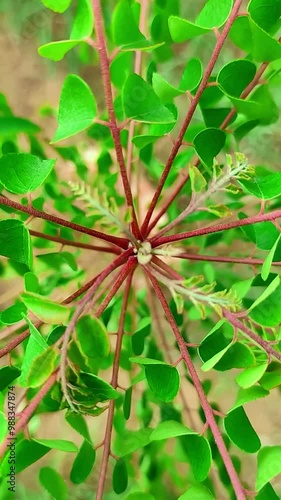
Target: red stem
[[235, 481], [114, 383], [236, 323], [77, 244], [190, 113], [156, 242], [28, 411], [185, 175], [214, 258], [115, 131], [120, 242]]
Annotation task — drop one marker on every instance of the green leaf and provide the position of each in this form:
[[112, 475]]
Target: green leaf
[[267, 292], [265, 13], [142, 104], [93, 337], [83, 463], [237, 356], [128, 442], [83, 22], [46, 310], [208, 144], [269, 465], [58, 444], [22, 173], [265, 270], [35, 334], [197, 492], [127, 403], [234, 77], [57, 5], [268, 312], [124, 27], [101, 389], [214, 14], [10, 125], [251, 375], [198, 182], [199, 455], [165, 91], [240, 431], [13, 314], [77, 108], [31, 283], [120, 476], [42, 367], [170, 429], [55, 51], [138, 337], [267, 493], [7, 375], [15, 241], [78, 423], [28, 452], [52, 481], [247, 395], [192, 75], [266, 187], [163, 379]]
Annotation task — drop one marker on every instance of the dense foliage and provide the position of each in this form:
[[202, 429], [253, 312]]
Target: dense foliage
[[135, 299]]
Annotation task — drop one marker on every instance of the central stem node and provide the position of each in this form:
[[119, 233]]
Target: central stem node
[[144, 253]]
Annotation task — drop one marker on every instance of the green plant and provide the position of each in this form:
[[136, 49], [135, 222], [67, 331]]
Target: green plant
[[222, 317]]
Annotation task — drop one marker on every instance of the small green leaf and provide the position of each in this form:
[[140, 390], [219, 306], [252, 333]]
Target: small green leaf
[[15, 241], [163, 379], [192, 75], [199, 455], [269, 465], [57, 5], [251, 394], [124, 27], [208, 144], [31, 283], [251, 375], [58, 444], [266, 187], [10, 125], [42, 367], [55, 51], [77, 108], [240, 431], [46, 310], [198, 182], [267, 292], [142, 104], [13, 314], [52, 481], [165, 91], [127, 403], [170, 429], [265, 270], [101, 389], [268, 312], [83, 22], [208, 365], [120, 476], [7, 375], [22, 173], [197, 492], [83, 463], [78, 423], [267, 493], [93, 337], [3, 426]]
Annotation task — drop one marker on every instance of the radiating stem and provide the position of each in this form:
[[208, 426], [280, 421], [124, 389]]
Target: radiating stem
[[114, 383], [193, 106], [235, 481]]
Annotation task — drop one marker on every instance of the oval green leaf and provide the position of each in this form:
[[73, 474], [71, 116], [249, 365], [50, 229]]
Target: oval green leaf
[[22, 173]]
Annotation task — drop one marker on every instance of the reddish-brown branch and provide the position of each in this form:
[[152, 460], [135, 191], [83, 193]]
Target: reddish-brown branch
[[156, 242], [221, 259], [104, 63], [185, 174], [210, 419], [120, 242], [77, 244], [28, 411], [114, 383], [237, 324], [190, 113]]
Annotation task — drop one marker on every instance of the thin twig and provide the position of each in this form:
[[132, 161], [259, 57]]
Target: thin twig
[[114, 383]]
